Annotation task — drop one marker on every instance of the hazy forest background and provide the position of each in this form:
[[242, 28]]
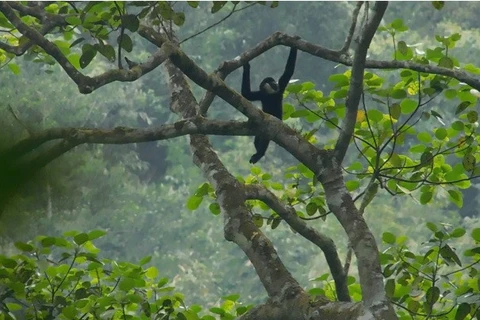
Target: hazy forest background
[[141, 194]]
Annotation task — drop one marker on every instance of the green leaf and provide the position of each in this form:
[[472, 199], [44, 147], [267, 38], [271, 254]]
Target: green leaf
[[80, 238], [463, 311], [202, 190], [352, 185], [433, 293], [14, 68], [456, 197], [395, 111], [145, 260], [300, 113], [258, 220], [446, 62], [151, 272], [74, 59], [107, 51], [472, 116], [73, 20], [398, 25], [438, 4], [425, 197], [441, 133], [458, 233], [126, 284], [131, 22], [275, 223], [255, 170], [179, 18], [311, 208], [458, 126], [214, 208], [388, 237], [276, 186], [462, 106], [469, 162], [25, 247], [402, 47], [8, 263], [306, 86], [340, 80], [193, 4], [398, 94], [390, 288], [217, 5], [162, 282], [476, 234], [217, 310], [294, 88], [432, 226], [424, 137], [448, 254], [125, 42], [88, 53], [48, 241], [374, 115], [95, 234], [194, 202], [407, 106]]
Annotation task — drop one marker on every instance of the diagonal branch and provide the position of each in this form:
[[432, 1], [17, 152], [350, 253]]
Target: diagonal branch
[[85, 84], [239, 226], [348, 40], [325, 243]]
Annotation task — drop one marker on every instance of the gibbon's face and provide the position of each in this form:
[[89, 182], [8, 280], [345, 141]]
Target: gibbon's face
[[269, 85]]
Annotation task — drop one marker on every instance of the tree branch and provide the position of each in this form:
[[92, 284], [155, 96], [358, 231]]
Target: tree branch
[[124, 135], [325, 243], [348, 40], [85, 84], [355, 89], [239, 226]]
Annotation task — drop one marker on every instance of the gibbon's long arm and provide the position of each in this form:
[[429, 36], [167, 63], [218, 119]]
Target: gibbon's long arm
[[246, 92], [289, 68]]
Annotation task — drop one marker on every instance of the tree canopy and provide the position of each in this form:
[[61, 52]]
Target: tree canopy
[[375, 115]]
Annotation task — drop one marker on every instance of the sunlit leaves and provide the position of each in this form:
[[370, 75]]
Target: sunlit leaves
[[14, 68], [407, 106]]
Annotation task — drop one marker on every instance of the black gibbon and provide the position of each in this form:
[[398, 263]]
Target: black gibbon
[[271, 96]]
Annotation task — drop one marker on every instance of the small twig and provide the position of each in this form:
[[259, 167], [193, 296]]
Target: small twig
[[218, 22], [348, 40]]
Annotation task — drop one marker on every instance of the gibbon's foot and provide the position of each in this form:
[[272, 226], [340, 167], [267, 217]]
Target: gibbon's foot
[[254, 159]]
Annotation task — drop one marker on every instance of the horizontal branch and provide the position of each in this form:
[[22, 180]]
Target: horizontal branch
[[124, 135]]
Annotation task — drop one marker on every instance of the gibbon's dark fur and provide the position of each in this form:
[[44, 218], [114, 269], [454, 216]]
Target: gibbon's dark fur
[[271, 97]]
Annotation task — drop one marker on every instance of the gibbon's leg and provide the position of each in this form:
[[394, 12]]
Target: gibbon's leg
[[261, 145]]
